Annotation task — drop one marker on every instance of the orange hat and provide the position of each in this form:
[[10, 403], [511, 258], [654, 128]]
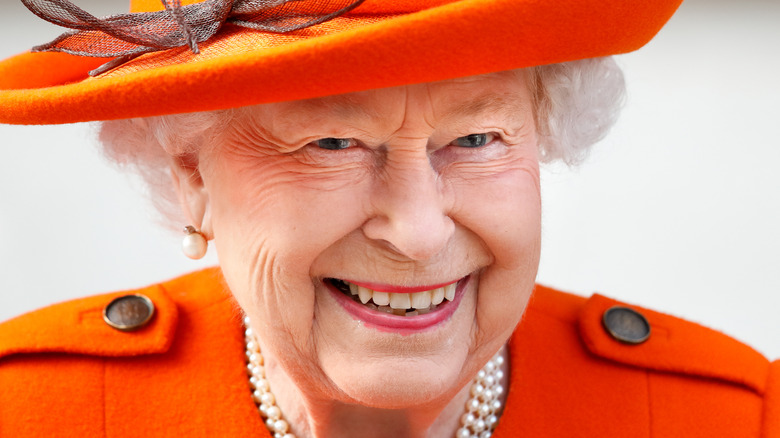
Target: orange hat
[[379, 43]]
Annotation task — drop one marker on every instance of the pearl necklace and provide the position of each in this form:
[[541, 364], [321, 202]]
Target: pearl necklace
[[479, 420]]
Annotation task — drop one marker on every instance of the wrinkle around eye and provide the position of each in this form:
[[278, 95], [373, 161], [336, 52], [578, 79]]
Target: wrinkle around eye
[[508, 158], [315, 168], [451, 154], [349, 157]]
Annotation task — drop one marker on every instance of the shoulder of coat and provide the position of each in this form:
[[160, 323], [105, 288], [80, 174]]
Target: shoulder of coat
[[82, 326], [643, 338]]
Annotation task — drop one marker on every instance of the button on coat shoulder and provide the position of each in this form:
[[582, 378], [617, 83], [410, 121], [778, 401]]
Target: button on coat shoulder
[[63, 369]]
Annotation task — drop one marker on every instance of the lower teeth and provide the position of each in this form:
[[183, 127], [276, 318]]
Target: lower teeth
[[398, 312]]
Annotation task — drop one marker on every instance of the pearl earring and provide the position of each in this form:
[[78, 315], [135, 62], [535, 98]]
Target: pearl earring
[[194, 244]]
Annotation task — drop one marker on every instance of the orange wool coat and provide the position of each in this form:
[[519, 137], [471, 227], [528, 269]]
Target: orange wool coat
[[64, 372]]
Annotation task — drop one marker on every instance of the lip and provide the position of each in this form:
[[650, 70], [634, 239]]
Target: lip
[[404, 325]]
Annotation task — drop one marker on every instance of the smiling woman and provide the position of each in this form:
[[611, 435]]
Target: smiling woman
[[378, 231], [289, 213]]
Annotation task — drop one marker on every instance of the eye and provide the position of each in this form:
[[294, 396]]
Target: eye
[[334, 144], [473, 140]]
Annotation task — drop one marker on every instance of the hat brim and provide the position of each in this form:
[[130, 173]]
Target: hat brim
[[459, 39]]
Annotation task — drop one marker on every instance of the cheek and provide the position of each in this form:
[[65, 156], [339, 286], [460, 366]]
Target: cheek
[[504, 211], [271, 218], [289, 207]]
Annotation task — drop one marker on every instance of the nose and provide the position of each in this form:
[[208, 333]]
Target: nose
[[409, 210]]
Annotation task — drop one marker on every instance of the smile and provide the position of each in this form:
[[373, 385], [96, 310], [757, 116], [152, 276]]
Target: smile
[[401, 301], [398, 309]]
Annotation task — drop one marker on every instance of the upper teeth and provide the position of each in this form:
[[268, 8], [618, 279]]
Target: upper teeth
[[416, 300]]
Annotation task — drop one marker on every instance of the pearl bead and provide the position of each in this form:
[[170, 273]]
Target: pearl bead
[[468, 419], [280, 426], [472, 405], [499, 360], [484, 410], [463, 433], [194, 246], [499, 375], [487, 395], [262, 384], [274, 413], [269, 423], [477, 390], [489, 380], [495, 405], [257, 396], [485, 434], [479, 425], [491, 420], [267, 398]]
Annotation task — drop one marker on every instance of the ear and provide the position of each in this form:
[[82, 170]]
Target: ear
[[193, 196]]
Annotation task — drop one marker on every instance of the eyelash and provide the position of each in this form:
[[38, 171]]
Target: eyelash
[[334, 144], [481, 139]]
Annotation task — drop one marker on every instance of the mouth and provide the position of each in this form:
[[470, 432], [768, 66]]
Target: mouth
[[395, 308], [409, 302]]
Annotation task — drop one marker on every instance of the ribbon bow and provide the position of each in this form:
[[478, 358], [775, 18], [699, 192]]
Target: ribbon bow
[[126, 36]]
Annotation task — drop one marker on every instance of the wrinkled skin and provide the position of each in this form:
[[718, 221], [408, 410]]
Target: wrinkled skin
[[404, 204]]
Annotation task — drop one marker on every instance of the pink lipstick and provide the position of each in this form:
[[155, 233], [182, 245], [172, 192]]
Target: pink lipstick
[[387, 322]]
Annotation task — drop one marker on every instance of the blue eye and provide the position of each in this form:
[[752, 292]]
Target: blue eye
[[333, 144], [471, 141]]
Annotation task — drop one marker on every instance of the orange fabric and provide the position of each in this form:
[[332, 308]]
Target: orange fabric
[[58, 331], [153, 5], [64, 379], [676, 346], [460, 38], [772, 404]]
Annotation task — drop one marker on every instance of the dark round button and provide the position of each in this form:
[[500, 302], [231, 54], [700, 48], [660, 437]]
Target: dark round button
[[626, 325], [129, 312]]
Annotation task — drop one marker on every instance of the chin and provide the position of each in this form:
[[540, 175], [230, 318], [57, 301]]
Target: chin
[[398, 384]]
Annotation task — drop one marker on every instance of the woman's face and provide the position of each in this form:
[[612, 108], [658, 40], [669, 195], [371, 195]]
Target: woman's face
[[399, 190]]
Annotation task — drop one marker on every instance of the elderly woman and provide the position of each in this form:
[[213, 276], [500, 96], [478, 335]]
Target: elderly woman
[[369, 176]]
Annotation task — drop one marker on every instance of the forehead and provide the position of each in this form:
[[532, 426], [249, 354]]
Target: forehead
[[462, 97]]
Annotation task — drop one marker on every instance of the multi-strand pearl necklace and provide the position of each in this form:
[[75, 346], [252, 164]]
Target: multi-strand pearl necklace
[[481, 413]]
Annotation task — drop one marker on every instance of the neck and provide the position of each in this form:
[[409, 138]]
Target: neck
[[348, 420], [318, 415]]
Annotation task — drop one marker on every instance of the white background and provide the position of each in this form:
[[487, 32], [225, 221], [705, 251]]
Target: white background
[[678, 209]]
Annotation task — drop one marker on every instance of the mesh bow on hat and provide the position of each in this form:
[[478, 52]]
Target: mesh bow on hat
[[176, 56], [126, 36]]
